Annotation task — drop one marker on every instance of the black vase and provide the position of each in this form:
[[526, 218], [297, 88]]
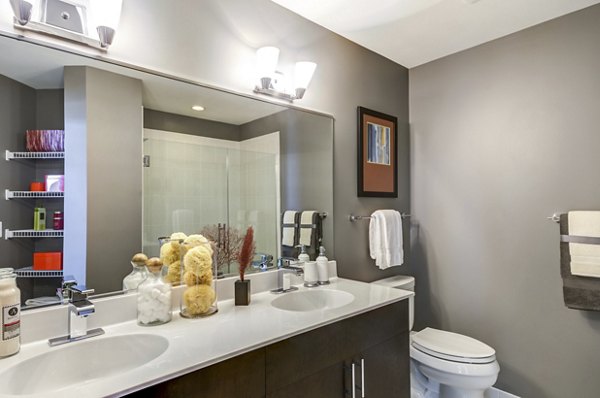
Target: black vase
[[242, 292]]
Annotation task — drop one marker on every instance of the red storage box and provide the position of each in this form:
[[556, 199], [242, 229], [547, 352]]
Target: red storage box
[[47, 261]]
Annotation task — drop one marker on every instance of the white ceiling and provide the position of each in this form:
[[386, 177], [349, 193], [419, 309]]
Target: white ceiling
[[414, 32]]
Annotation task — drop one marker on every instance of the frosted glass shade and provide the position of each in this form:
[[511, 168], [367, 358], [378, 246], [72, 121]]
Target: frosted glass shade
[[303, 73], [266, 61], [106, 12]]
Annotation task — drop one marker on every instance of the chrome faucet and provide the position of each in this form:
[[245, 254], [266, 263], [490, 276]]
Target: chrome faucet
[[286, 265], [79, 308]]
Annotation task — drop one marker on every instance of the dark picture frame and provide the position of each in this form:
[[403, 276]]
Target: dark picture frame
[[377, 154]]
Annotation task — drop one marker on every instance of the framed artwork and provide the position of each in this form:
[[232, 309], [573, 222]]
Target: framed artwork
[[377, 149]]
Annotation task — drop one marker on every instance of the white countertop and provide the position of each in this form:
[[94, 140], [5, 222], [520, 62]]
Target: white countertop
[[198, 343]]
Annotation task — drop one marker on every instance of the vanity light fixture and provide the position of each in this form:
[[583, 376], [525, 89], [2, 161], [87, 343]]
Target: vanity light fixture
[[107, 14], [271, 79], [22, 10], [198, 108], [70, 19]]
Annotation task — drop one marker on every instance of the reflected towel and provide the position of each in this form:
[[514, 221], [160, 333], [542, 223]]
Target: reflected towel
[[385, 238], [307, 228], [288, 230], [585, 258]]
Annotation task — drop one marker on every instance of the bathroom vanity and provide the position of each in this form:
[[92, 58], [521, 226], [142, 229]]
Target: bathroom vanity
[[308, 343], [314, 364]]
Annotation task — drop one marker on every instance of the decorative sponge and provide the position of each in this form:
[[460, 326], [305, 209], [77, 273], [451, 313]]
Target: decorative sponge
[[175, 238], [174, 273], [168, 254], [198, 299], [198, 260], [198, 240], [193, 279]]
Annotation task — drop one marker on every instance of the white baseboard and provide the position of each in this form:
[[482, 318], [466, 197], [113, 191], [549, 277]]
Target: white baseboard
[[496, 393]]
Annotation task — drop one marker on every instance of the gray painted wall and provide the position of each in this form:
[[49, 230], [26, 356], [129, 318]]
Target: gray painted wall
[[306, 164], [504, 135], [103, 113], [190, 125]]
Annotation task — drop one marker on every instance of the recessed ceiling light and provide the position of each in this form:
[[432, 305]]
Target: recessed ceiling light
[[198, 108]]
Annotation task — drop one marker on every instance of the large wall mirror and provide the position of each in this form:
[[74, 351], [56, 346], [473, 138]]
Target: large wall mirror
[[140, 163]]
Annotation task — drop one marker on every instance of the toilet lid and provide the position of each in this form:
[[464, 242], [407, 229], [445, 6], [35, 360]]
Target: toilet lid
[[452, 346]]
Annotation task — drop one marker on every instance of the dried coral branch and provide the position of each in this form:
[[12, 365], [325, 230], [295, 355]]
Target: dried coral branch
[[247, 252], [227, 247]]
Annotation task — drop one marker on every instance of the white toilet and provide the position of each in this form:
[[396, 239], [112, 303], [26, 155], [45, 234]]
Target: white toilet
[[444, 364]]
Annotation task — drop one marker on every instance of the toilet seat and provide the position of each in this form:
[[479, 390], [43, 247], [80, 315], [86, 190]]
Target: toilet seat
[[452, 347]]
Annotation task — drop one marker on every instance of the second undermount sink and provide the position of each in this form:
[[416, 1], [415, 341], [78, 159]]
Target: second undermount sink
[[313, 300], [81, 362]]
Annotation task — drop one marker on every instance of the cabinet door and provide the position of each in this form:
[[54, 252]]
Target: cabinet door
[[325, 383], [241, 376], [386, 369]]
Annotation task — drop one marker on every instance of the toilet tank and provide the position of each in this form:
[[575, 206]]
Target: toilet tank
[[403, 282]]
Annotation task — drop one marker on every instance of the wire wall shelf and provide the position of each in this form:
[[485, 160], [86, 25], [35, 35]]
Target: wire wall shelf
[[29, 272], [32, 195], [30, 233], [34, 155]]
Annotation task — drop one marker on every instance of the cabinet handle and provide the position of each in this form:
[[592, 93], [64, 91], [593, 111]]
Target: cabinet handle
[[353, 380], [362, 375]]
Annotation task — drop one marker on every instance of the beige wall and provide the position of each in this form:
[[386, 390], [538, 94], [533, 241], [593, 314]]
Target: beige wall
[[502, 136]]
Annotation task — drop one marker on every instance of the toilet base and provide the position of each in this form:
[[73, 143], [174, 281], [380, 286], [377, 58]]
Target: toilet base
[[452, 392]]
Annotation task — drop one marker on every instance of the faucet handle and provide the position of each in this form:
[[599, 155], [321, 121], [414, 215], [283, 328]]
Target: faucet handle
[[63, 291], [79, 292]]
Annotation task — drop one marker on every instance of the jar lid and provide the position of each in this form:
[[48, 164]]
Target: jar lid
[[154, 264], [6, 273]]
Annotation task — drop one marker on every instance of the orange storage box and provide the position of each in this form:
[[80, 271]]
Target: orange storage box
[[47, 261]]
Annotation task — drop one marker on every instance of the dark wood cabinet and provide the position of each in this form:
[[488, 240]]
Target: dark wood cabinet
[[315, 364], [319, 363], [241, 376]]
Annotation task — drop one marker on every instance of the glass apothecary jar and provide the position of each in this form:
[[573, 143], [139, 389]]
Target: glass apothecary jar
[[154, 301], [199, 274], [138, 274]]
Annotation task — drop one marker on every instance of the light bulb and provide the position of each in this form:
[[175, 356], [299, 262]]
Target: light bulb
[[266, 63]]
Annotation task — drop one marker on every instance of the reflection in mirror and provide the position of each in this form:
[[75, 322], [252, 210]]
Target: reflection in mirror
[[240, 162]]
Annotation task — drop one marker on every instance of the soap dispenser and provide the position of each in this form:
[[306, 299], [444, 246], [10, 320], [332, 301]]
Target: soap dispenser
[[303, 257], [323, 267]]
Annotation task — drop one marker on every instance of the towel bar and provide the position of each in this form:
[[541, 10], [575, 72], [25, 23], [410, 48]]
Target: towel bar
[[353, 218], [588, 240]]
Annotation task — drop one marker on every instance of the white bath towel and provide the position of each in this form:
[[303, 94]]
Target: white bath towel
[[288, 234], [306, 228], [585, 258], [385, 238]]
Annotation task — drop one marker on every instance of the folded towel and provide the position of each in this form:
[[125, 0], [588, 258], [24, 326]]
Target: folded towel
[[308, 227], [585, 258], [385, 238], [288, 228]]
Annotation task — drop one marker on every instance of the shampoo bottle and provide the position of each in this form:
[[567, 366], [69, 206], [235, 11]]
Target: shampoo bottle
[[39, 219], [323, 267]]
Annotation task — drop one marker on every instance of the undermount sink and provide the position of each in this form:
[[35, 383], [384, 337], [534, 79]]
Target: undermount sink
[[312, 300], [81, 362]]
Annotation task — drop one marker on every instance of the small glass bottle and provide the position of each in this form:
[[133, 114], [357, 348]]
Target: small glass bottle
[[154, 301], [139, 273], [10, 305], [58, 221]]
